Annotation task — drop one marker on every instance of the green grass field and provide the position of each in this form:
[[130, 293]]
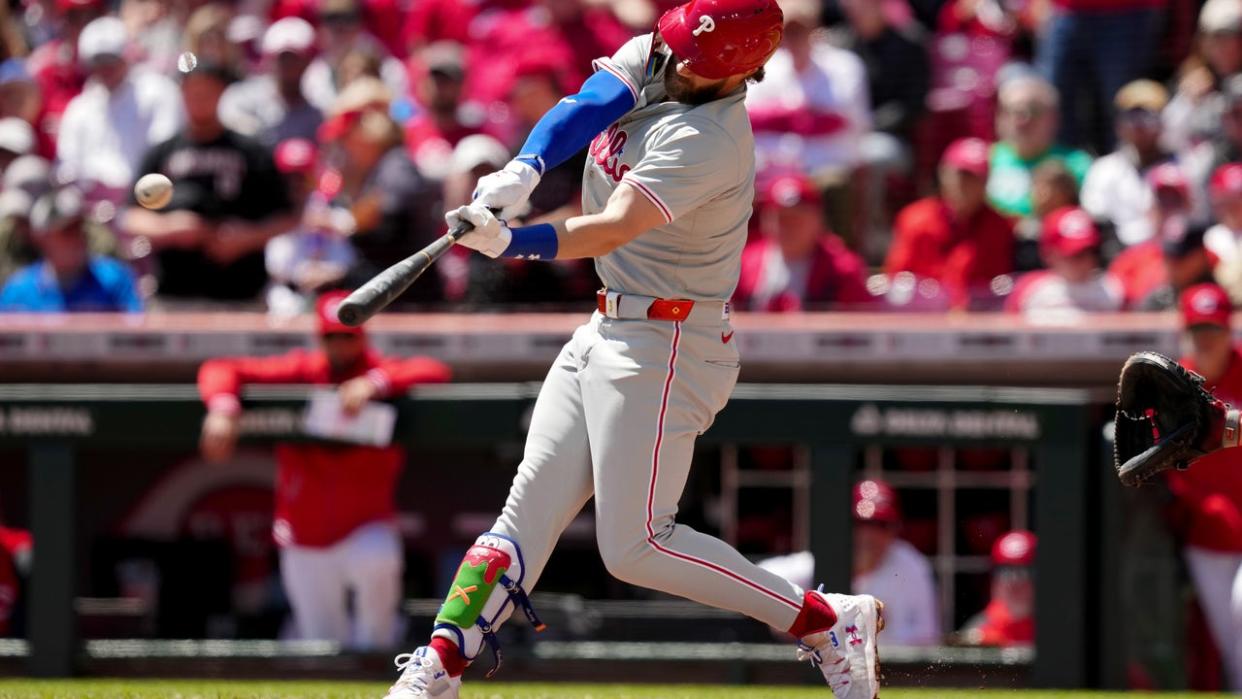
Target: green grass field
[[171, 689]]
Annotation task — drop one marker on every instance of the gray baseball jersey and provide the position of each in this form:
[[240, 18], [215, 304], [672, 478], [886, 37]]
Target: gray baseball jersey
[[696, 164]]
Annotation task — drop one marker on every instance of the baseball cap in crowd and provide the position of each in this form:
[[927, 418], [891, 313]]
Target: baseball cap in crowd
[[477, 150], [105, 36], [295, 155], [1069, 231], [29, 173], [1221, 16], [968, 155], [16, 136], [1226, 181], [1014, 549], [291, 34], [1168, 176], [360, 96], [876, 501], [790, 190], [1206, 304], [57, 209], [326, 307], [1179, 239], [1147, 95], [444, 58]]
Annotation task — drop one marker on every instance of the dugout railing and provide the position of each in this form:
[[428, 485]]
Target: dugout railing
[[53, 424]]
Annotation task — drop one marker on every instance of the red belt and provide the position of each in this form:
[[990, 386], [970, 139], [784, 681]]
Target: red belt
[[660, 309]]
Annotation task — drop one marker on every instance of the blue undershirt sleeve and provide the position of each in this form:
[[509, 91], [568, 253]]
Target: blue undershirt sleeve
[[569, 126]]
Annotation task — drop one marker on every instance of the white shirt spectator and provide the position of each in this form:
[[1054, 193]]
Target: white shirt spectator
[[835, 84], [103, 135], [1115, 190], [1044, 296], [903, 580]]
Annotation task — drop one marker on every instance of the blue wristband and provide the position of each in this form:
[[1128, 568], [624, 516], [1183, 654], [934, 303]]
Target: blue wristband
[[536, 242]]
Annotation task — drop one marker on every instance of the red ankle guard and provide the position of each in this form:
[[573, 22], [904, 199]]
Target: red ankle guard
[[449, 654], [816, 616]]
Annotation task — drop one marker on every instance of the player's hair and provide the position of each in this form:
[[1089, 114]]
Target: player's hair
[[758, 75]]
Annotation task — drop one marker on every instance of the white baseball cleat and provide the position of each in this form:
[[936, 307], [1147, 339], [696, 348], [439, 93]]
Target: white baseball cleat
[[423, 677], [846, 653]]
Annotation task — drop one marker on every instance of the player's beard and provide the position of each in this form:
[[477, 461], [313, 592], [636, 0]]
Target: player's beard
[[680, 89]]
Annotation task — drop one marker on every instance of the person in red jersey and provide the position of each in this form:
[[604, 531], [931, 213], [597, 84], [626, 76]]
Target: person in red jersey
[[1009, 618], [797, 264], [335, 511], [1208, 509], [956, 237]]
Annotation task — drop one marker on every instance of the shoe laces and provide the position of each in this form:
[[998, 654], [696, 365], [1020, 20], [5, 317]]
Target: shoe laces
[[412, 675], [836, 667]]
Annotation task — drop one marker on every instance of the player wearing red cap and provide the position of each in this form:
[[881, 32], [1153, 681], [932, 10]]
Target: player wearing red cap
[[667, 192], [955, 237], [335, 512], [1069, 245], [885, 566], [1208, 509], [1009, 618]]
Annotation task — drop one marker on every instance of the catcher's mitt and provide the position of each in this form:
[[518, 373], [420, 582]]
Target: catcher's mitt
[[1165, 418]]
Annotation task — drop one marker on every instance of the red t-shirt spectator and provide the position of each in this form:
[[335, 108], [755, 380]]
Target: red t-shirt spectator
[[1210, 494], [963, 256], [56, 70], [833, 275], [323, 491]]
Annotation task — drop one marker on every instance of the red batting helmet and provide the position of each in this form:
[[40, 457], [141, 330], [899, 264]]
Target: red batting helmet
[[1017, 548], [719, 38], [876, 501]]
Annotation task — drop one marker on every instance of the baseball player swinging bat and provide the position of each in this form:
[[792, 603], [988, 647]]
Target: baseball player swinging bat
[[383, 288], [666, 196]]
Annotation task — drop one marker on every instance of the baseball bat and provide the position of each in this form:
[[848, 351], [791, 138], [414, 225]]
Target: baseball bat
[[383, 288]]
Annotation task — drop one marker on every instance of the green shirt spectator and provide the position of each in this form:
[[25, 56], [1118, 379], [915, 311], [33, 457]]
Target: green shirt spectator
[[1009, 182], [1026, 128]]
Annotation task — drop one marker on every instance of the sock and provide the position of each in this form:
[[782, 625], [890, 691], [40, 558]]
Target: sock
[[816, 616], [450, 656]]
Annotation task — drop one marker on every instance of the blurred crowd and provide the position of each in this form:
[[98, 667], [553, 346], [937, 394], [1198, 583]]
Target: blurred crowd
[[1044, 157]]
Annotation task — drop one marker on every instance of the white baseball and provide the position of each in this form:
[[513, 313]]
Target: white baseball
[[153, 191]]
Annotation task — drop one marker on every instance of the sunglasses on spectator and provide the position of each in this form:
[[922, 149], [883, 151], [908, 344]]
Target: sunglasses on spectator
[[340, 18], [1140, 117], [1031, 110]]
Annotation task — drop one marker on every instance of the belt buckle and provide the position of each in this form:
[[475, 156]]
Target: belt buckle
[[612, 304]]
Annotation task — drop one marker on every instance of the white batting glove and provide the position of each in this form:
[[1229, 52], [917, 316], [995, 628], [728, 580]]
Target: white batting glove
[[490, 235], [508, 188]]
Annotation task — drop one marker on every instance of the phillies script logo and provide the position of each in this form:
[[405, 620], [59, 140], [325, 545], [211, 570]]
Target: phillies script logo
[[606, 151]]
